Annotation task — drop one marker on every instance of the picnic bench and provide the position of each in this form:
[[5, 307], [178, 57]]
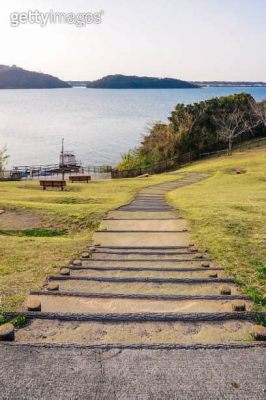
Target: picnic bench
[[79, 178], [53, 183]]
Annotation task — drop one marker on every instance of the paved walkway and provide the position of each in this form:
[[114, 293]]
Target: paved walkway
[[35, 373], [146, 316]]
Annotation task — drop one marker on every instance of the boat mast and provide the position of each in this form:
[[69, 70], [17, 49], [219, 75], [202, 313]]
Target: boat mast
[[63, 160]]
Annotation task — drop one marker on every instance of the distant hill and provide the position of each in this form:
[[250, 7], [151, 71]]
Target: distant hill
[[19, 78], [139, 82]]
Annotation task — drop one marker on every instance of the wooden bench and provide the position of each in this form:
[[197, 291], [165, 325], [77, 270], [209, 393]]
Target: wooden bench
[[80, 178], [53, 183]]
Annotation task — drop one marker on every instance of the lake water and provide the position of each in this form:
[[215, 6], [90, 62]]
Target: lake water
[[97, 124]]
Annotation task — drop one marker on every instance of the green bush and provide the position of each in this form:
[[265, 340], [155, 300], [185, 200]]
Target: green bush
[[195, 128]]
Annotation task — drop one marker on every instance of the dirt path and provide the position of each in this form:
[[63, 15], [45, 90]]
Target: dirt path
[[144, 285]]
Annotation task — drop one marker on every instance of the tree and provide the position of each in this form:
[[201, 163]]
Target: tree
[[234, 123], [130, 160], [200, 127], [3, 159], [159, 144], [259, 110]]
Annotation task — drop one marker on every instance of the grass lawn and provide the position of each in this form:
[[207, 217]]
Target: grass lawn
[[43, 230], [227, 213]]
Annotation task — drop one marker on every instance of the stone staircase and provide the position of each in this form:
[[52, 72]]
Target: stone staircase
[[142, 284]]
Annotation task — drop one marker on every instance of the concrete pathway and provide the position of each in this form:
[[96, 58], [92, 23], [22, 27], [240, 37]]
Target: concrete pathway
[[37, 373], [141, 315]]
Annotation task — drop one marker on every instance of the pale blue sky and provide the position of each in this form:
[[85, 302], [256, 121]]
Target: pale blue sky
[[186, 39]]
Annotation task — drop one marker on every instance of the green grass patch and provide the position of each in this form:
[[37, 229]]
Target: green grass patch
[[227, 214], [261, 319], [34, 232], [18, 321]]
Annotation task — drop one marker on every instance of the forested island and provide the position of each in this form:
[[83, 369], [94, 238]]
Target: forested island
[[18, 78], [14, 77], [139, 82]]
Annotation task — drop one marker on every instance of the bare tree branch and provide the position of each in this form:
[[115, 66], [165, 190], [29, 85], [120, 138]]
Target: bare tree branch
[[259, 111], [235, 123]]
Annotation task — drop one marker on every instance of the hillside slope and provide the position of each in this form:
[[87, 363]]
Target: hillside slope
[[227, 215], [19, 78]]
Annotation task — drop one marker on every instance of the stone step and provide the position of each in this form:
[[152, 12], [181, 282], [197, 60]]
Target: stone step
[[144, 225], [119, 262], [150, 288], [157, 200], [156, 192], [164, 215], [151, 202], [145, 248], [142, 239], [178, 280], [146, 206], [149, 199], [143, 252], [192, 273], [142, 317], [130, 231], [69, 292], [104, 269], [80, 305], [146, 209], [186, 256], [93, 332]]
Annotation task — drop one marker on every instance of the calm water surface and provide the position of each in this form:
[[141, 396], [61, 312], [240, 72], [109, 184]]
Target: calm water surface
[[98, 125]]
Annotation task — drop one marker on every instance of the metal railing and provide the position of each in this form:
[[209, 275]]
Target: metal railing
[[46, 171], [155, 168], [36, 171], [238, 146], [213, 154], [180, 161]]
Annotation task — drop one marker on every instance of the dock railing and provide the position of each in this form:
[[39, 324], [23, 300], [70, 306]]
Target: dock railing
[[51, 171]]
